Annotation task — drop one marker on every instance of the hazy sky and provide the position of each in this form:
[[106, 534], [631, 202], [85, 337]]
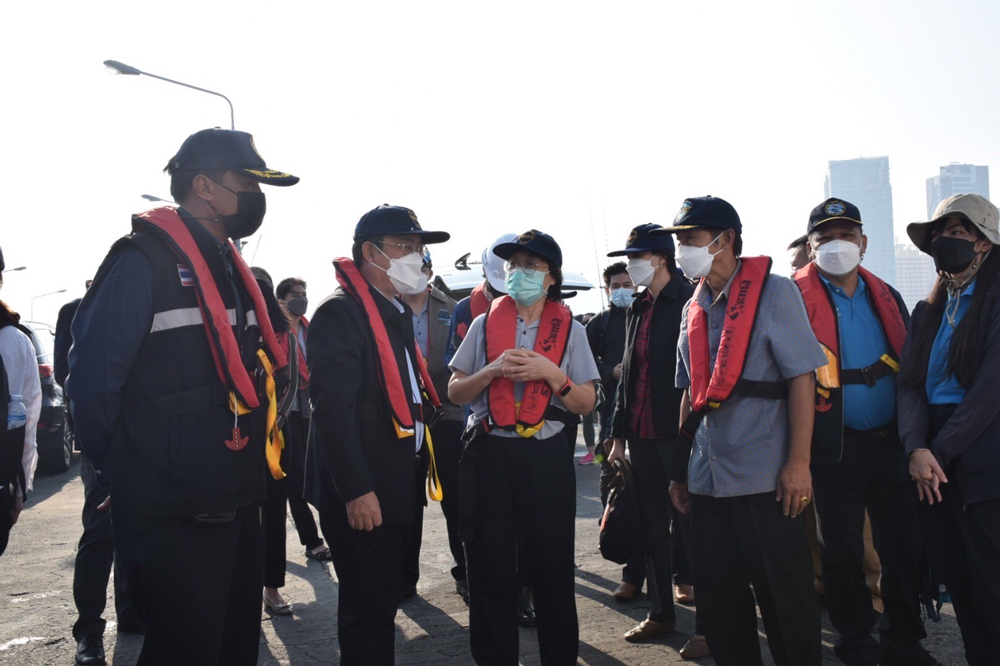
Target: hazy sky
[[581, 119]]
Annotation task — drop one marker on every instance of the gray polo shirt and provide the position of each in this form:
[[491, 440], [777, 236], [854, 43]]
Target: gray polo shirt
[[578, 362], [740, 447]]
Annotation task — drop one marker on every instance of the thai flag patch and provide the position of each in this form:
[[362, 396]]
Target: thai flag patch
[[185, 273]]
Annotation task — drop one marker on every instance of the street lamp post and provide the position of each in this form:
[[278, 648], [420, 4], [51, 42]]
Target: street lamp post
[[34, 298], [122, 68]]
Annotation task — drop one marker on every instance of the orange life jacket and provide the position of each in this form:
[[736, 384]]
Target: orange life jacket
[[712, 386], [830, 379], [478, 304], [390, 378], [527, 416]]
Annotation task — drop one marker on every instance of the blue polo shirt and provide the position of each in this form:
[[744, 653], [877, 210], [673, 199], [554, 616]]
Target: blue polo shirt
[[942, 386], [862, 343]]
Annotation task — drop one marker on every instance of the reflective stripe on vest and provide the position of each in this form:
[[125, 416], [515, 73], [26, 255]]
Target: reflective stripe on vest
[[390, 379], [710, 387], [169, 319], [500, 330], [166, 223]]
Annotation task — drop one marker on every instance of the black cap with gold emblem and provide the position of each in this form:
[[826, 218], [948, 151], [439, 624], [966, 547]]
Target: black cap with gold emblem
[[397, 221], [232, 150], [643, 240], [536, 242], [831, 210]]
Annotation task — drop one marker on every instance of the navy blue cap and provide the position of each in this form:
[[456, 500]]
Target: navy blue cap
[[831, 210], [397, 221], [217, 148], [642, 240], [701, 212], [538, 242]]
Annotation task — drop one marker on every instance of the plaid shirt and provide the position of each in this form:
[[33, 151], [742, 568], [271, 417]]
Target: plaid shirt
[[640, 413]]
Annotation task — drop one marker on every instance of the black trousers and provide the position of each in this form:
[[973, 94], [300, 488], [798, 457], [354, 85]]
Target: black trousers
[[411, 563], [651, 462], [369, 571], [295, 451], [275, 531], [448, 447], [741, 542], [872, 474], [963, 546], [526, 486], [196, 587], [95, 555]]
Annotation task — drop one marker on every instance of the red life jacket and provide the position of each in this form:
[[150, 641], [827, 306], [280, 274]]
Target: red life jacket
[[500, 330], [478, 304], [167, 224], [710, 387], [390, 378], [831, 378]]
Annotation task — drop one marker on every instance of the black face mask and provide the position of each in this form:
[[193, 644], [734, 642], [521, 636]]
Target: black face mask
[[952, 255], [250, 210], [297, 306]]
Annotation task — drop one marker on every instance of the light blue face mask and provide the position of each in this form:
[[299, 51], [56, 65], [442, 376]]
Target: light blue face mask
[[622, 297], [523, 288]]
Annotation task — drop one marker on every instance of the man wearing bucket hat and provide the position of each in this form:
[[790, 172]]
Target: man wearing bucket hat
[[746, 356], [645, 413], [372, 398], [171, 349], [948, 414]]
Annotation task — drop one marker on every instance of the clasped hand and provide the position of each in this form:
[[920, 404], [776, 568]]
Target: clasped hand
[[525, 365], [925, 470]]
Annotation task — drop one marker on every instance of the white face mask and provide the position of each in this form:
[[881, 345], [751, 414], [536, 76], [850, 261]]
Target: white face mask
[[696, 262], [405, 273], [640, 271], [838, 257]]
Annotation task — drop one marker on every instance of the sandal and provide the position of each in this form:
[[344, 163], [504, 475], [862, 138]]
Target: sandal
[[278, 609], [323, 555]]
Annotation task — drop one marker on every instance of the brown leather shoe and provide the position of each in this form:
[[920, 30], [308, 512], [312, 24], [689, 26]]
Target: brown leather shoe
[[624, 592], [695, 648], [684, 594], [648, 629]]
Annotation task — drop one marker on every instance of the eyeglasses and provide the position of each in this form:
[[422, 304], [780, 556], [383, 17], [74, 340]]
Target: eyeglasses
[[530, 267], [408, 249]]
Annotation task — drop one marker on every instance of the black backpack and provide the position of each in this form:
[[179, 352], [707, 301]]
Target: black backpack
[[621, 526]]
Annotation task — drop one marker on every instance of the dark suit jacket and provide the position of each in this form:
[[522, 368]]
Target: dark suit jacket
[[664, 331], [353, 448]]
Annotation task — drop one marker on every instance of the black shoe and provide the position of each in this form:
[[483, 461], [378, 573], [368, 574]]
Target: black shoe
[[525, 610], [90, 651], [906, 654], [407, 591], [462, 588]]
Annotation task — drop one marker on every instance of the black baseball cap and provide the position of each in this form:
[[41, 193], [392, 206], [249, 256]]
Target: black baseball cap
[[232, 150], [701, 212], [831, 210], [397, 221], [642, 240], [535, 241]]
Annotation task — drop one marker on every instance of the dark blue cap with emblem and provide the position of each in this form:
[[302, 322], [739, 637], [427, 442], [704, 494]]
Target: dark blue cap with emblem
[[831, 210], [396, 221], [535, 241], [704, 212], [232, 150], [642, 239]]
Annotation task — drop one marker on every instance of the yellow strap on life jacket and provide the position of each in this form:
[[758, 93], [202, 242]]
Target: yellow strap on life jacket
[[433, 480], [889, 361], [275, 440], [530, 431]]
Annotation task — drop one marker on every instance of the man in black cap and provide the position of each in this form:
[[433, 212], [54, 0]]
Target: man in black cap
[[857, 455], [746, 356], [372, 398], [170, 377], [644, 416]]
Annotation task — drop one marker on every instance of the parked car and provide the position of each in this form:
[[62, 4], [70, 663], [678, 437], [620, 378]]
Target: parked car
[[55, 440]]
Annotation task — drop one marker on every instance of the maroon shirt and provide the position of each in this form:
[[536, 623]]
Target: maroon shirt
[[640, 412]]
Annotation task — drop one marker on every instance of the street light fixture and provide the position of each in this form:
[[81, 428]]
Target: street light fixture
[[150, 197], [14, 270], [128, 70], [34, 298]]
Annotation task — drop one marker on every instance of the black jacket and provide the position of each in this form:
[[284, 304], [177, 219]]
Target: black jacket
[[63, 341], [606, 335], [971, 437], [664, 331], [353, 448]]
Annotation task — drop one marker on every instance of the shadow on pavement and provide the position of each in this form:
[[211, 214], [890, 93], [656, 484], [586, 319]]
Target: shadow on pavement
[[47, 484]]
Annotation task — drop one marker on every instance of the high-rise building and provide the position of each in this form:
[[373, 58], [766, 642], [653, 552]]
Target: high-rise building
[[865, 183], [915, 274], [957, 179]]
